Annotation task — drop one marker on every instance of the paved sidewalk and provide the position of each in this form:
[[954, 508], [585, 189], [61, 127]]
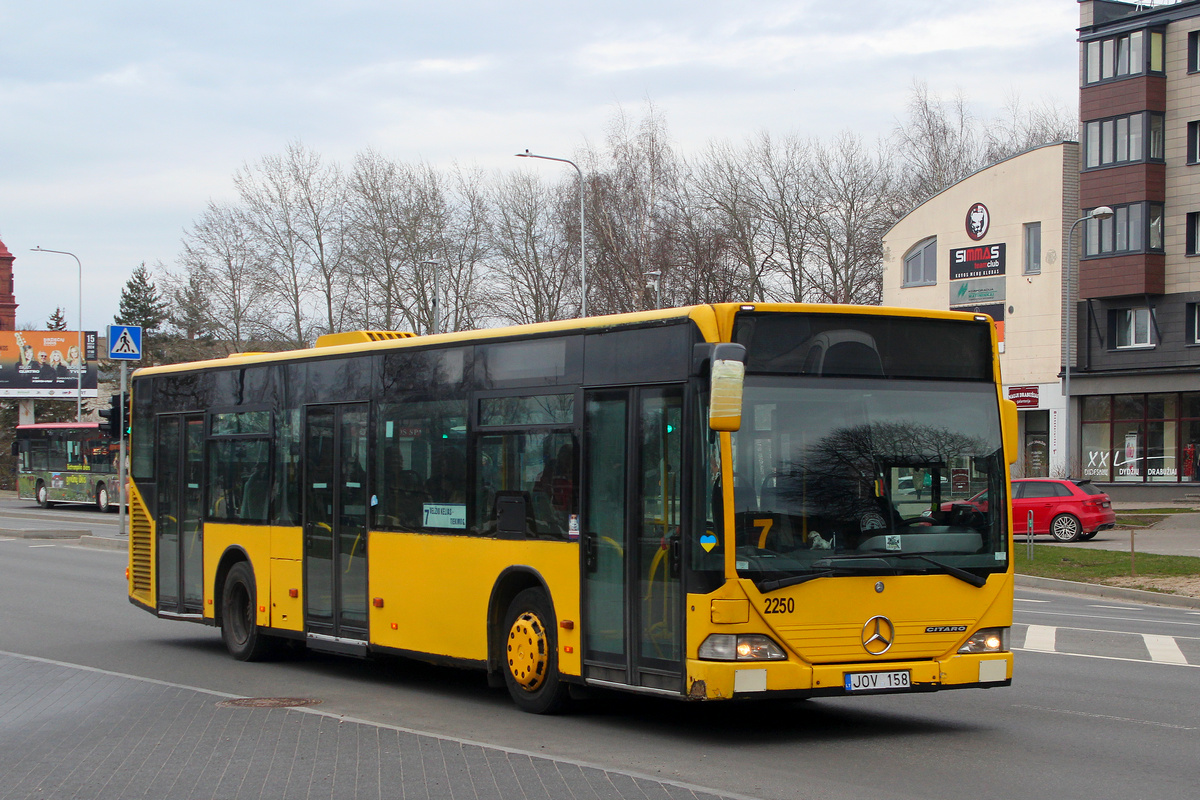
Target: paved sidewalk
[[68, 731]]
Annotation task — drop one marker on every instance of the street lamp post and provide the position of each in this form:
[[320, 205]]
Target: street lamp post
[[1098, 213], [437, 318], [656, 276], [79, 344], [582, 236]]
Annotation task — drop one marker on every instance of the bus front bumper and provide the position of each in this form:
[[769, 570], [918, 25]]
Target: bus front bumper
[[714, 680]]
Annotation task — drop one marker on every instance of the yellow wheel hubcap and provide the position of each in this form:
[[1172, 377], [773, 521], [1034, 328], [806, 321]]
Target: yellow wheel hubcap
[[528, 652]]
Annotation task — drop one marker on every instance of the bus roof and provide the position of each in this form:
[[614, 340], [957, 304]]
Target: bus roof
[[709, 317]]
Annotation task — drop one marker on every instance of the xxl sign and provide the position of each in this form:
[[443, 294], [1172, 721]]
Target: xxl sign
[[980, 261]]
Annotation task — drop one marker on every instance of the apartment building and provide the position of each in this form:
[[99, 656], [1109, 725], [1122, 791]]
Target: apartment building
[[1136, 367]]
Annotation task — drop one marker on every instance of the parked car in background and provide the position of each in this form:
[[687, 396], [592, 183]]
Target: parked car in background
[[1067, 510]]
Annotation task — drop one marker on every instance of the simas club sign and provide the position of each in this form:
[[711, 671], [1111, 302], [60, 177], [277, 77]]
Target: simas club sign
[[980, 261]]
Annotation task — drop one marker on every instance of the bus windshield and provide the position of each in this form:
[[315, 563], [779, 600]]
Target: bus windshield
[[851, 476]]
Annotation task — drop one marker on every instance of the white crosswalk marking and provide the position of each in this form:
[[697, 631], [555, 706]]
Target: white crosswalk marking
[[1164, 649], [1040, 637]]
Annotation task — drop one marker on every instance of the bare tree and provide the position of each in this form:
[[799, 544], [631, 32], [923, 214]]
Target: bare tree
[[1022, 127], [939, 144], [269, 212], [322, 226], [465, 246], [630, 213], [534, 268], [851, 186], [783, 197], [723, 177], [219, 255]]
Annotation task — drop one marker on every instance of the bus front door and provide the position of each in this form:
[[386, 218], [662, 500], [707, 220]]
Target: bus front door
[[633, 632], [178, 514], [335, 527]]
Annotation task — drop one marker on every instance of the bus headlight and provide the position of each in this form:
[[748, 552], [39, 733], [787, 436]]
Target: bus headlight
[[987, 640], [740, 647]]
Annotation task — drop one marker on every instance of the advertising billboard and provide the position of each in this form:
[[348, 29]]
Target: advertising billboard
[[47, 364]]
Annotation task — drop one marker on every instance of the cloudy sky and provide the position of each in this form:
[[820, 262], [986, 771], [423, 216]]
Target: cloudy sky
[[120, 120]]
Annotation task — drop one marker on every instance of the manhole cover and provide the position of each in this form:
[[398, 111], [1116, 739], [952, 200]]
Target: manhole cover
[[268, 702]]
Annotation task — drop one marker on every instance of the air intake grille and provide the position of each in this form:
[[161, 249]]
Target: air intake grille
[[141, 549]]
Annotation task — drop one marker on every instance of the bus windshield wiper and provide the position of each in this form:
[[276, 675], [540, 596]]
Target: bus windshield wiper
[[961, 574], [771, 586]]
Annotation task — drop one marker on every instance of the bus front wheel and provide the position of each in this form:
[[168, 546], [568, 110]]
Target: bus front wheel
[[102, 498], [530, 653], [43, 495], [239, 618]]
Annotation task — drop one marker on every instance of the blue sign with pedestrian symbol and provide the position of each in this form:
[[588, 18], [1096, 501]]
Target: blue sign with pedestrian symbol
[[125, 342]]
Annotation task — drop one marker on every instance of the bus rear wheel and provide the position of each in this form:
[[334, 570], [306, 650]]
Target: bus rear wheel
[[530, 651], [102, 498], [43, 495], [239, 617]]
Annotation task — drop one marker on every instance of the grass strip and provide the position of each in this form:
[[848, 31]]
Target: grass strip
[[1095, 566]]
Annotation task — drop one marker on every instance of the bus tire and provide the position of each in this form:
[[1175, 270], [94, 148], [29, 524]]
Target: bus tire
[[102, 503], [239, 625], [42, 493], [530, 653]]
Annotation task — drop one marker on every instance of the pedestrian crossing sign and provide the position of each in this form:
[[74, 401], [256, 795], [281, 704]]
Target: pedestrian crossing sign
[[125, 342]]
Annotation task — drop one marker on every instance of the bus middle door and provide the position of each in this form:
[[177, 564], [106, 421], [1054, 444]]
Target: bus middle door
[[335, 527]]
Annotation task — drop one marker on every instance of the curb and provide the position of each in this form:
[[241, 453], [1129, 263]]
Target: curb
[[1100, 590], [103, 542], [43, 533]]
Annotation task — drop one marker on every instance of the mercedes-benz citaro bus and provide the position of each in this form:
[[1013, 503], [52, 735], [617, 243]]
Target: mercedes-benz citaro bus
[[704, 503]]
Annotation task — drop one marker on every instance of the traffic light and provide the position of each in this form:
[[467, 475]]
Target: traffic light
[[113, 417]]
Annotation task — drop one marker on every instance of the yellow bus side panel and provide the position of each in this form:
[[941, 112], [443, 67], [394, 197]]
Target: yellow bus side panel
[[255, 540], [287, 612], [142, 579], [435, 591]]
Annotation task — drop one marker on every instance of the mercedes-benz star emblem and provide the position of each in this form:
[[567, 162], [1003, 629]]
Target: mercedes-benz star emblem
[[877, 635]]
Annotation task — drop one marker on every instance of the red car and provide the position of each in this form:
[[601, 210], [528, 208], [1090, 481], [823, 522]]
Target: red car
[[1067, 510]]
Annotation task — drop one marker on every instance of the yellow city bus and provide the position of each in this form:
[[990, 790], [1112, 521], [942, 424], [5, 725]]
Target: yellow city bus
[[721, 501]]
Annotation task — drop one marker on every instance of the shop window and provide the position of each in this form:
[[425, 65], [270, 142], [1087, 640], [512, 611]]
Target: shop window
[[920, 265], [1033, 248]]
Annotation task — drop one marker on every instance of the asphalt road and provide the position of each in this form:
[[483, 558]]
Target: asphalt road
[[1105, 702]]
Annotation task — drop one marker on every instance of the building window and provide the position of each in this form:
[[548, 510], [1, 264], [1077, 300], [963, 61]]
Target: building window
[[1192, 321], [1194, 51], [1193, 142], [920, 265], [1133, 228], [1131, 327], [1033, 248], [1123, 140], [1192, 234], [1122, 56]]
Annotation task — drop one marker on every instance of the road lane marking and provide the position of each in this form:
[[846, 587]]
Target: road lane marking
[[1164, 649], [1040, 637], [1027, 600], [1106, 716], [1116, 608], [42, 545], [1118, 619], [1107, 658]]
